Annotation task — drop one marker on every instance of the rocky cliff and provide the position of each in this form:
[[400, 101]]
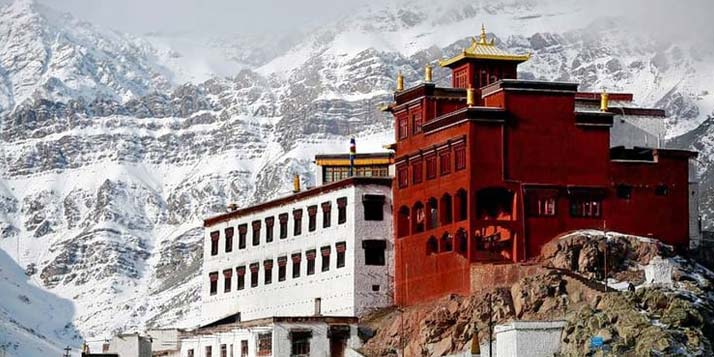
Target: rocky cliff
[[635, 317]]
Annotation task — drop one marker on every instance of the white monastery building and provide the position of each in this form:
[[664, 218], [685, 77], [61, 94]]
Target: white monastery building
[[290, 276]]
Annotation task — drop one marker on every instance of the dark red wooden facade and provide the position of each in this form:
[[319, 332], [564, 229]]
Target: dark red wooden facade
[[495, 181]]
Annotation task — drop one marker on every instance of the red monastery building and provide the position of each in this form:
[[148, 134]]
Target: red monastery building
[[491, 174]]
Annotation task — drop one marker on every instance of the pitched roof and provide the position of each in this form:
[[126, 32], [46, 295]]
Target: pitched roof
[[485, 49]]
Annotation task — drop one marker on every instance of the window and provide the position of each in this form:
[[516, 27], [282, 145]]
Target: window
[[341, 210], [447, 243], [231, 349], [419, 218], [318, 306], [402, 129], [541, 202], [312, 218], [446, 209], [265, 344], [461, 241], [375, 288], [661, 190], [269, 223], [242, 232], [417, 171], [335, 173], [283, 218], [268, 271], [254, 275], [227, 275], [213, 278], [374, 251], [586, 203], [459, 158], [224, 350], [432, 246], [326, 214], [240, 272], [296, 265], [624, 192], [460, 79], [403, 176], [256, 232], [229, 239], [310, 255], [416, 123], [297, 222], [341, 248], [325, 252], [431, 167], [433, 211], [444, 163], [461, 205], [190, 353], [214, 242], [244, 348], [373, 207], [282, 267], [300, 343], [403, 221], [209, 351]]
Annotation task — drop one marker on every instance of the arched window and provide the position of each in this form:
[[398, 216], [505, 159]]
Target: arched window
[[461, 205], [447, 243], [446, 209], [418, 217], [403, 222], [433, 213], [461, 244], [432, 246]]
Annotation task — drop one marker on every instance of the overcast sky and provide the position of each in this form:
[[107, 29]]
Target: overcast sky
[[203, 16], [675, 18]]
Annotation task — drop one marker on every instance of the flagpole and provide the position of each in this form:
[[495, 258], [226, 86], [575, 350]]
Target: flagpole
[[353, 150]]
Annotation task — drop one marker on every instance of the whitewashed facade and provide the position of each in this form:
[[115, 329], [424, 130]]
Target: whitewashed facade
[[297, 273], [280, 336]]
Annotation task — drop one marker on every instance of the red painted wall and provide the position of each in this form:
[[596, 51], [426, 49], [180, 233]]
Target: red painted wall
[[538, 144]]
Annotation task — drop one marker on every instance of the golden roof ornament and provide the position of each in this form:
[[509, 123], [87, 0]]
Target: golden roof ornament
[[400, 82], [483, 48], [604, 101], [428, 73]]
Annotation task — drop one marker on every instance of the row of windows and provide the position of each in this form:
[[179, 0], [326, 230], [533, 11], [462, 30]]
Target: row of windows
[[491, 203], [265, 348], [430, 163], [430, 216], [296, 259], [337, 173], [282, 226]]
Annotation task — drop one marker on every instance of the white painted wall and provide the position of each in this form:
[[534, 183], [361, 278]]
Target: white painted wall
[[528, 338], [345, 291], [131, 345], [637, 131], [281, 343]]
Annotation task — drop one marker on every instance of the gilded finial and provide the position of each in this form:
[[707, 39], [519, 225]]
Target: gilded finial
[[482, 39], [604, 101], [427, 73], [400, 82], [470, 97]]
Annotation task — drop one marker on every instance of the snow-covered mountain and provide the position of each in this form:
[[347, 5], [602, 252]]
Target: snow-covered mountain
[[109, 161]]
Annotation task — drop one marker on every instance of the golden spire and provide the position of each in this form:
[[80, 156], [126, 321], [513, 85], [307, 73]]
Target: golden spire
[[482, 39], [400, 82], [604, 101], [427, 73]]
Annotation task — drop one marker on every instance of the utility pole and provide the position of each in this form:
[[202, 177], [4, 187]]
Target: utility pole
[[607, 247], [66, 351], [490, 325]]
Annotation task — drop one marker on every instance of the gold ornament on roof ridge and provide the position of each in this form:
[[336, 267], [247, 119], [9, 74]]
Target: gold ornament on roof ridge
[[483, 48]]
